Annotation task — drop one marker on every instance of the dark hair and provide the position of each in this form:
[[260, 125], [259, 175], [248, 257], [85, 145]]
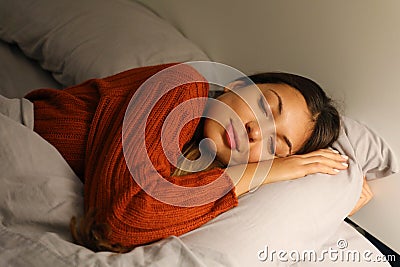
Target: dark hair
[[324, 114]]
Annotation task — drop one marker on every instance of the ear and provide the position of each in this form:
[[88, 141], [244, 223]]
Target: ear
[[233, 85]]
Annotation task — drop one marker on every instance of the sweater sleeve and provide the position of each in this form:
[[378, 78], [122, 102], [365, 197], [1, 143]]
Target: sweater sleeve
[[134, 193]]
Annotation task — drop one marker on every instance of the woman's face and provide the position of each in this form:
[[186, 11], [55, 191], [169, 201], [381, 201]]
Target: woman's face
[[244, 132]]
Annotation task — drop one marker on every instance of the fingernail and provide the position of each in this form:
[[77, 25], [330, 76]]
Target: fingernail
[[334, 150], [345, 157], [345, 164], [336, 170]]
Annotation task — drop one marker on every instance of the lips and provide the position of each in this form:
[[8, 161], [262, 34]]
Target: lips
[[231, 136]]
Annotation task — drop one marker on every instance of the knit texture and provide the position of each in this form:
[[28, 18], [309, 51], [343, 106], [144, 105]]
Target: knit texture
[[84, 123], [63, 118]]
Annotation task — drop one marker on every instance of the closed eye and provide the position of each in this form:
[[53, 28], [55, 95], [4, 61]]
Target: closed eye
[[271, 146], [289, 144], [280, 105], [263, 106]]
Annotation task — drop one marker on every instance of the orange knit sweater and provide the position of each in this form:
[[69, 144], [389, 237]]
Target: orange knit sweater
[[84, 123]]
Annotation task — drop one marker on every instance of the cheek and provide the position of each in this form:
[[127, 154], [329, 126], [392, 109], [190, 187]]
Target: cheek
[[254, 155], [281, 148], [214, 131], [235, 107], [210, 128]]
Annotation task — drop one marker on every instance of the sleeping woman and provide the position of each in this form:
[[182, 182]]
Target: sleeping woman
[[126, 203]]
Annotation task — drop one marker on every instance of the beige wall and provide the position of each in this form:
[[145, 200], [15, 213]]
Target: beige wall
[[351, 47]]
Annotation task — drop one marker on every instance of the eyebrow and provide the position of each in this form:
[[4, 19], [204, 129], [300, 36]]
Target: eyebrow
[[280, 107]]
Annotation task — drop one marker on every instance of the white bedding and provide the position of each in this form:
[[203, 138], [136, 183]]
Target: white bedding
[[348, 248], [40, 193]]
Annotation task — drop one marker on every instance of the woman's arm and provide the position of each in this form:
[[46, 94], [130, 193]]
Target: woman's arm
[[288, 168], [126, 177]]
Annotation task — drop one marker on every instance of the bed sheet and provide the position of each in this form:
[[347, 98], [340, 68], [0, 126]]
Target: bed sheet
[[40, 193], [346, 247]]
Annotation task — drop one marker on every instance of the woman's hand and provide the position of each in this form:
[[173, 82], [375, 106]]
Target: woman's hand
[[366, 196], [288, 168], [297, 166]]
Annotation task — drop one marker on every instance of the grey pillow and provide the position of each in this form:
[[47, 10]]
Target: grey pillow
[[13, 63], [300, 214], [373, 154], [80, 40]]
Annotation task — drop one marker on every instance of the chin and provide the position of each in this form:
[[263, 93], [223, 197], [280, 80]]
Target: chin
[[232, 162], [223, 158]]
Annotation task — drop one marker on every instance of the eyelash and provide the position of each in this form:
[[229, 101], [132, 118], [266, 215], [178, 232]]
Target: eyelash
[[271, 140], [271, 146], [262, 104]]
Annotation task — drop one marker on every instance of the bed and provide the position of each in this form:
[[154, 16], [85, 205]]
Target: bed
[[39, 192]]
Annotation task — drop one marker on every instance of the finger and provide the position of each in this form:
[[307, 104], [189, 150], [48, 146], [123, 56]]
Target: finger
[[367, 189], [331, 154], [328, 154], [329, 149], [317, 167], [329, 162]]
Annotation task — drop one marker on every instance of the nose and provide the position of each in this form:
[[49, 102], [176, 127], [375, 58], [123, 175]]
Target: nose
[[253, 131]]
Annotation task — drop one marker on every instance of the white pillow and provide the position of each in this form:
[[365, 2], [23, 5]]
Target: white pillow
[[80, 40], [301, 214]]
